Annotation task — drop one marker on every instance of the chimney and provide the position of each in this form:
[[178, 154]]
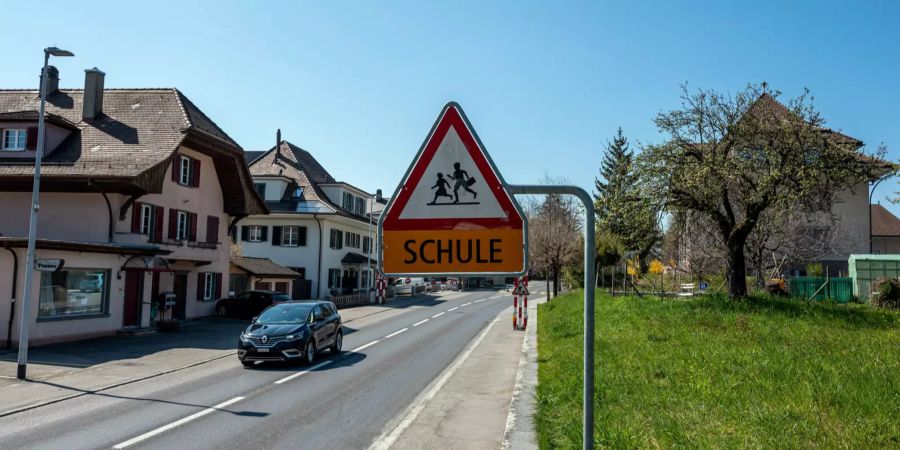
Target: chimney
[[278, 143], [378, 197], [52, 79], [93, 93]]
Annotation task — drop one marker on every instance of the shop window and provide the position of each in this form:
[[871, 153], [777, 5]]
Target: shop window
[[73, 292]]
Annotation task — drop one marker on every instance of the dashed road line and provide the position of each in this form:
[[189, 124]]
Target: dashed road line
[[395, 333], [304, 372], [177, 423], [478, 301], [363, 347], [437, 315], [453, 308], [420, 322], [466, 304]]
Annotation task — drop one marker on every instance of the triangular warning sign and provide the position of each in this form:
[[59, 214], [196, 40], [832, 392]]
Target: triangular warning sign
[[452, 196], [520, 290]]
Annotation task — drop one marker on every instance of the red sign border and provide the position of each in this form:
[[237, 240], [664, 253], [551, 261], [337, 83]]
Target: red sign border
[[455, 117]]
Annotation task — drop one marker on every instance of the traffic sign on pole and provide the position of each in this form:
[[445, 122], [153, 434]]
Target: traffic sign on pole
[[451, 213]]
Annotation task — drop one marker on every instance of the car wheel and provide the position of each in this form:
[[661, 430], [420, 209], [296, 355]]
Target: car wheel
[[310, 351], [222, 311], [338, 343], [248, 364]]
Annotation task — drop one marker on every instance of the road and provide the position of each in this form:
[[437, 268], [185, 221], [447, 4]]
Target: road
[[341, 402]]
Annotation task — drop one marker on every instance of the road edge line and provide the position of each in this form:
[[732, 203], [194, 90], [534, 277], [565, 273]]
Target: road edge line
[[396, 427]]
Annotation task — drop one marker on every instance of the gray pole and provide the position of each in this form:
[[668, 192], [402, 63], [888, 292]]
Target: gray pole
[[369, 252], [590, 250], [32, 230]]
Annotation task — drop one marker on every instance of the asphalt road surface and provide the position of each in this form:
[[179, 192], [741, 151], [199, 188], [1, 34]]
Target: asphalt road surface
[[341, 402]]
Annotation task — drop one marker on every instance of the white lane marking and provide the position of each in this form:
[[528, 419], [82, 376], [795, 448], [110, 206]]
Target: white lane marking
[[183, 421], [304, 372], [363, 347], [395, 333], [466, 304], [437, 315], [479, 301], [453, 308], [392, 432], [420, 322]]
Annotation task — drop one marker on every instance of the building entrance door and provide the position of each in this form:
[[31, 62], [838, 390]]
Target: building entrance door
[[131, 314], [180, 288]]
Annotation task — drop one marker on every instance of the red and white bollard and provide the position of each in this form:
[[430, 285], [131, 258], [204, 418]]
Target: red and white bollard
[[520, 308], [380, 284]]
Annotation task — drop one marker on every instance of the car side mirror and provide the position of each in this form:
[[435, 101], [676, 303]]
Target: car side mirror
[[253, 320]]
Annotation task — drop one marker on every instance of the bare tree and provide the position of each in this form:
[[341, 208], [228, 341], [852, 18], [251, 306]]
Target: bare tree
[[554, 233]]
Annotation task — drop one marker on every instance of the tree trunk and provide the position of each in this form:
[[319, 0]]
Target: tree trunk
[[736, 270], [555, 283]]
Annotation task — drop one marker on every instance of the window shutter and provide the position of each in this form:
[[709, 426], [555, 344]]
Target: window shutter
[[301, 236], [276, 235], [201, 279], [195, 173], [245, 233], [212, 229], [265, 234], [173, 223], [158, 224], [340, 238], [176, 167], [218, 285], [31, 138], [135, 217], [192, 235]]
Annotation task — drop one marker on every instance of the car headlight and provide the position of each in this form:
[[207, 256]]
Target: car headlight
[[290, 337], [244, 337]]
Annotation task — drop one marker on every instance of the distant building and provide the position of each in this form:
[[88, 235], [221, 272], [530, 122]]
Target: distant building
[[138, 191], [319, 227], [885, 231]]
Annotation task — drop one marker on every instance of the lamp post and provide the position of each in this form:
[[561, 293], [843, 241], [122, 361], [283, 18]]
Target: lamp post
[[371, 202], [32, 221], [872, 193]]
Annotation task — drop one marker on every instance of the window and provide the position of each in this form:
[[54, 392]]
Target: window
[[14, 139], [255, 233], [185, 171], [366, 244], [73, 292], [146, 219], [209, 286], [336, 239], [360, 206], [352, 239], [298, 192], [334, 278], [300, 270], [290, 236], [261, 188], [364, 279], [181, 229], [347, 201]]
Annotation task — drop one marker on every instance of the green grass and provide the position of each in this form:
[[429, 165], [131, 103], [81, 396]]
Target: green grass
[[714, 373]]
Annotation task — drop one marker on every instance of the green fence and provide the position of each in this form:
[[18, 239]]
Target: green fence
[[838, 289]]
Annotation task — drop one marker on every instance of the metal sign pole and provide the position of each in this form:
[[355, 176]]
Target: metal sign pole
[[589, 255]]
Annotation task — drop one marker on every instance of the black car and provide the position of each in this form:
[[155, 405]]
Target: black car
[[249, 304], [290, 331]]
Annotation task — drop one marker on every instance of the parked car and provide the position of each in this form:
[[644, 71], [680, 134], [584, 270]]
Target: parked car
[[292, 331], [410, 286], [248, 304]]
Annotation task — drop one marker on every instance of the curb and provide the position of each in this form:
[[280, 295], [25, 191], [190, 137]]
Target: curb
[[520, 432], [112, 386]]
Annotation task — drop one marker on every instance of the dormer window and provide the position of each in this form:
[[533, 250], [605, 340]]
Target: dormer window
[[186, 171], [15, 139]]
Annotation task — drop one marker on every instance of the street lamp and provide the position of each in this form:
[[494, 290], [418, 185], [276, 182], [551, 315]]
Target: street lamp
[[32, 221], [871, 194]]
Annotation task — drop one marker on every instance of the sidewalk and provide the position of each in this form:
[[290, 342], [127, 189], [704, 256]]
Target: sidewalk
[[473, 406], [62, 371]]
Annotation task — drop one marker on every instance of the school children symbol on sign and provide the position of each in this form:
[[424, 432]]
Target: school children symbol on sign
[[452, 213], [463, 180]]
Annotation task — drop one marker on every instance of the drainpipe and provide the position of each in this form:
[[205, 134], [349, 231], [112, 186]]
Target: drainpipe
[[319, 268], [108, 209], [12, 302]]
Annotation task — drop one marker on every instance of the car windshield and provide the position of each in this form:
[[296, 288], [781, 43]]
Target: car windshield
[[285, 314]]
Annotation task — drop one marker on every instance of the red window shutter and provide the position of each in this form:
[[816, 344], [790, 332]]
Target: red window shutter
[[31, 138], [212, 229], [201, 281], [195, 173], [218, 285], [176, 167], [158, 225], [173, 223], [135, 217], [192, 218]]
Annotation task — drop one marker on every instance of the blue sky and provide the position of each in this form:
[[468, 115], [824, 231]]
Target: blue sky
[[545, 84]]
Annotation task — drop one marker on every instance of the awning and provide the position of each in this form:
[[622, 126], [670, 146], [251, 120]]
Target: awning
[[88, 247], [356, 258]]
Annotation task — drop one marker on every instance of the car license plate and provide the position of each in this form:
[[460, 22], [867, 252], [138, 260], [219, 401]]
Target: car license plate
[[262, 350]]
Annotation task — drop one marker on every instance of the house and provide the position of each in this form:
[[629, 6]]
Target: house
[[260, 274], [321, 228], [885, 231], [139, 190]]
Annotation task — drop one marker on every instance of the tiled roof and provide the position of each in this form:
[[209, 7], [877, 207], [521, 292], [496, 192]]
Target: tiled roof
[[884, 223], [250, 156], [263, 267]]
